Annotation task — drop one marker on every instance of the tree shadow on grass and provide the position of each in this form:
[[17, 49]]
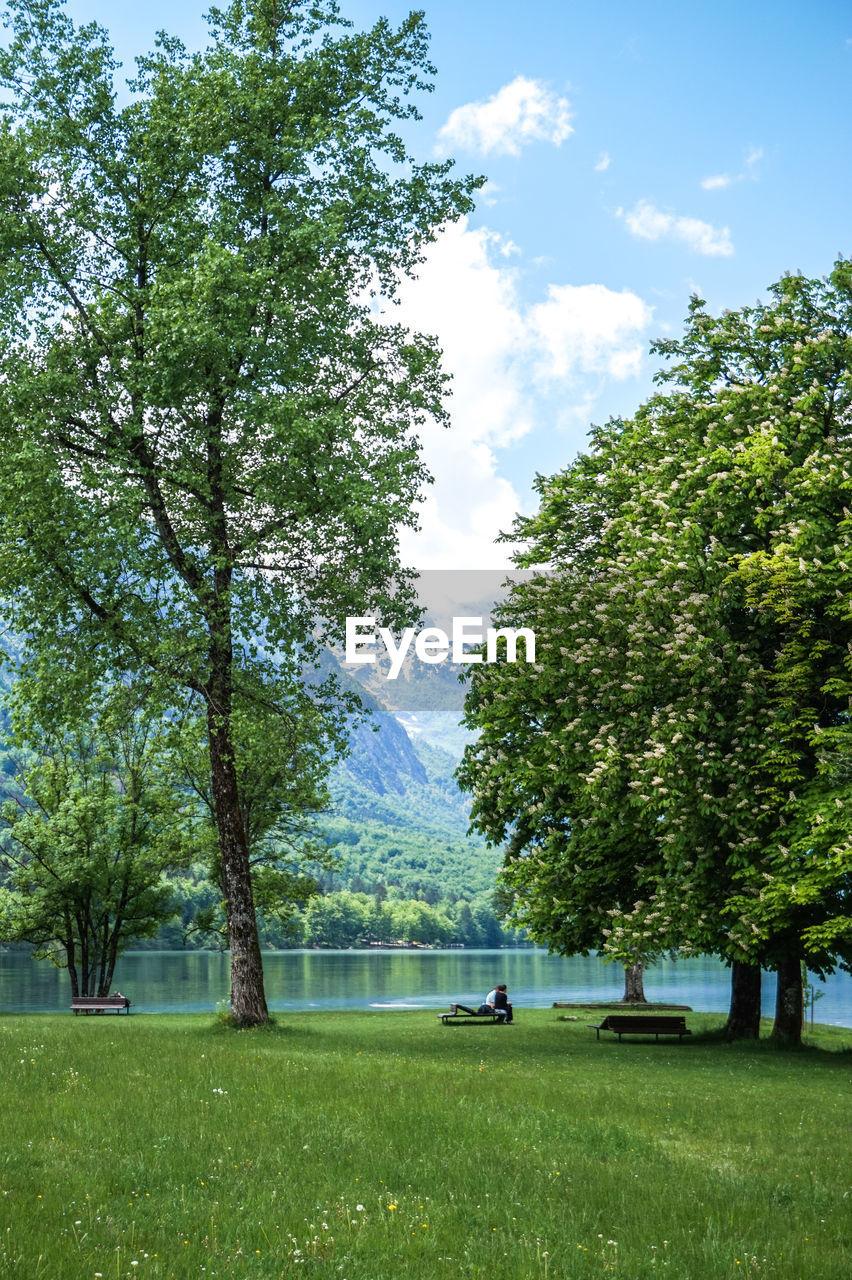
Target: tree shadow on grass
[[553, 1042]]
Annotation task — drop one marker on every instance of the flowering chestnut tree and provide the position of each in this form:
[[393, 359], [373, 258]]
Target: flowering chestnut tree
[[676, 772]]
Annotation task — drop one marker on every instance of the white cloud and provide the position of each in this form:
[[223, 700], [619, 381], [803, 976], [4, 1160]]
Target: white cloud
[[470, 303], [590, 329], [647, 222], [717, 181], [521, 112], [464, 511], [755, 154], [604, 162], [489, 194], [508, 361]]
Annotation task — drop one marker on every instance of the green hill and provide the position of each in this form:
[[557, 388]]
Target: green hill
[[397, 816], [414, 838], [397, 819]]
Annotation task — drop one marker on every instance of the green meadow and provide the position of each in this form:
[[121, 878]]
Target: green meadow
[[382, 1146]]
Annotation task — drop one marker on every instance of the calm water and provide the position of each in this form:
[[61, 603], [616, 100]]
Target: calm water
[[163, 981]]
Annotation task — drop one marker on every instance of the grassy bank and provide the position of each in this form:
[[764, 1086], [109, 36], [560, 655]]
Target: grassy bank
[[364, 1146]]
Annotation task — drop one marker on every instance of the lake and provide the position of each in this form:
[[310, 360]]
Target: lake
[[169, 981]]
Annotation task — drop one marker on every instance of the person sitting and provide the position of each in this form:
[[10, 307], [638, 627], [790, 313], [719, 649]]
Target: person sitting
[[501, 1003], [490, 1006]]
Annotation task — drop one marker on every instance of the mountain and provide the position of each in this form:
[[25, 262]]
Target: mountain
[[397, 816]]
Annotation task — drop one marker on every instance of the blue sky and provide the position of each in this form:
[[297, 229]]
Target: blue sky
[[635, 154]]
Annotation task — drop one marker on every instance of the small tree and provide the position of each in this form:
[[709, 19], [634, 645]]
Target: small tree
[[86, 843]]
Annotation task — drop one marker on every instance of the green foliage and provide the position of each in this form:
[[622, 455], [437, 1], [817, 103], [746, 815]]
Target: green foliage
[[209, 426], [86, 843], [280, 768], [675, 771], [409, 859], [347, 919]]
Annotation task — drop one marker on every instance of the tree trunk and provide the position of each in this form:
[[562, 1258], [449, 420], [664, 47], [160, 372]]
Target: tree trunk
[[788, 1005], [71, 957], [744, 1014], [634, 991], [113, 937], [85, 967], [248, 1000], [110, 958]]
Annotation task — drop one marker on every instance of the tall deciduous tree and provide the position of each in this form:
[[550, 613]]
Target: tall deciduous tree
[[209, 424], [675, 773]]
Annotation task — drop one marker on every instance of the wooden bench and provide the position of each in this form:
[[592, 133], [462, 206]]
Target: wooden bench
[[459, 1013], [100, 1004], [642, 1024]]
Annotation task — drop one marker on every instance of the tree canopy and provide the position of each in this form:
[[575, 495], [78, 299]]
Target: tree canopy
[[674, 773], [209, 418], [98, 819]]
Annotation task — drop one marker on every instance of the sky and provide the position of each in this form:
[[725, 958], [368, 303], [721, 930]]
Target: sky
[[634, 155]]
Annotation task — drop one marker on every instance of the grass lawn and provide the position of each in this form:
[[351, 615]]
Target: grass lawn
[[382, 1146]]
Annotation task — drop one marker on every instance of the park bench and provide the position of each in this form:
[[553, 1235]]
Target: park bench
[[460, 1013], [642, 1024], [99, 1004]]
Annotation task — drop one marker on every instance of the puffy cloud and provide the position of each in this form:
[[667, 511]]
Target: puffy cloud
[[521, 112], [649, 223], [507, 360], [470, 303], [464, 511], [588, 328], [604, 162]]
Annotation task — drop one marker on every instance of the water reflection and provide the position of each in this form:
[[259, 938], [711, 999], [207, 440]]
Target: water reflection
[[164, 981]]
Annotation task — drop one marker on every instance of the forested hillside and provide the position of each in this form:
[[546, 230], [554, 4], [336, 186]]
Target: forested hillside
[[397, 823], [411, 835], [409, 870]]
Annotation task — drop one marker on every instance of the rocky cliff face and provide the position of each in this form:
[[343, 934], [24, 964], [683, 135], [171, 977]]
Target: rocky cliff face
[[381, 756]]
